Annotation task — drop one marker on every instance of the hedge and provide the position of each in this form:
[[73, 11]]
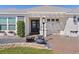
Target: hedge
[[20, 28]]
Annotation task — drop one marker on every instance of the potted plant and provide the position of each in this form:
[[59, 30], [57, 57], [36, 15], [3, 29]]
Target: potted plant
[[30, 39], [11, 33]]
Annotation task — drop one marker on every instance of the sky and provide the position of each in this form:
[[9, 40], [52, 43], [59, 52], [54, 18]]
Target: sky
[[31, 6]]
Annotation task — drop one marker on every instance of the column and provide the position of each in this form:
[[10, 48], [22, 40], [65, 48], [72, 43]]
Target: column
[[27, 25], [16, 24], [41, 27]]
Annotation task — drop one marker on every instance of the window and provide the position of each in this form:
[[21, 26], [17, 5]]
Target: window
[[48, 20], [74, 17], [3, 27], [78, 19], [11, 27], [52, 19], [11, 23], [3, 23], [57, 19], [33, 24], [3, 20], [74, 31], [11, 20], [75, 22], [21, 18]]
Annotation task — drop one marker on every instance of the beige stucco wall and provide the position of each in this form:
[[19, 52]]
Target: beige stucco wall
[[51, 27], [49, 30]]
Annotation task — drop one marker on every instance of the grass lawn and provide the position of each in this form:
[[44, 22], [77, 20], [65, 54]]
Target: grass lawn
[[24, 50]]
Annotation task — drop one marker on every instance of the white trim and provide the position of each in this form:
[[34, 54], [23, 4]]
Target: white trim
[[16, 24], [73, 13], [7, 24], [25, 24], [46, 12], [14, 13]]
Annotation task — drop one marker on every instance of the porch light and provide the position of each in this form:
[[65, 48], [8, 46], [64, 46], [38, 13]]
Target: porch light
[[44, 19]]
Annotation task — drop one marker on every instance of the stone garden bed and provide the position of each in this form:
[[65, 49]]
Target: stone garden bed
[[13, 45]]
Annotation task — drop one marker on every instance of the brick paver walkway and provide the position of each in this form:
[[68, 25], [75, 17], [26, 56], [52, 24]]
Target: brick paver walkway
[[62, 44]]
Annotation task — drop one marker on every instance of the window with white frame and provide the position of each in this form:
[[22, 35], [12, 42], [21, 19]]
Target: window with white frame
[[48, 20], [11, 20], [11, 24], [21, 18], [3, 23], [78, 19], [57, 20], [52, 19]]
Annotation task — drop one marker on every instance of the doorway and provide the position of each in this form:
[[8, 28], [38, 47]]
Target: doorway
[[35, 26]]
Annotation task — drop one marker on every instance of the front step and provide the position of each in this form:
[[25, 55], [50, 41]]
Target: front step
[[34, 33]]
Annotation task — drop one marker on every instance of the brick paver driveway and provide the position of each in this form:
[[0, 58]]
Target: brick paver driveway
[[62, 44], [5, 40]]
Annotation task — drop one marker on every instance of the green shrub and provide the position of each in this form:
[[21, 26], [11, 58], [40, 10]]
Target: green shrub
[[20, 28]]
